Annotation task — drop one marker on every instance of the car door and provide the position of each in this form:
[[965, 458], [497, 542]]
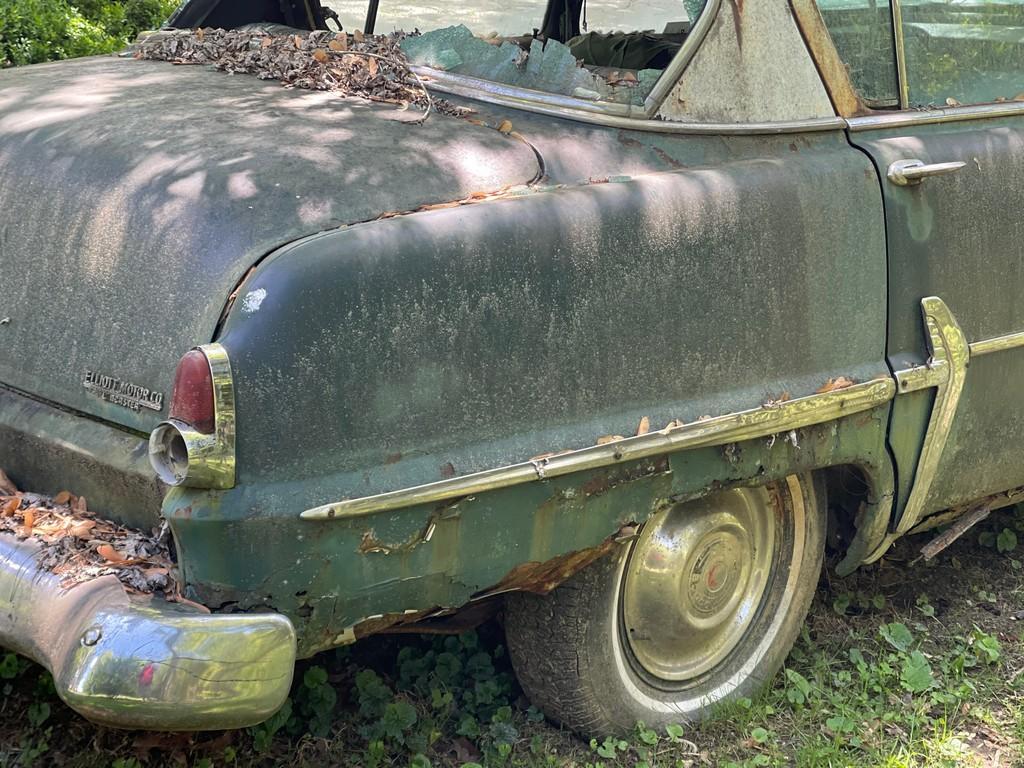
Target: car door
[[951, 164]]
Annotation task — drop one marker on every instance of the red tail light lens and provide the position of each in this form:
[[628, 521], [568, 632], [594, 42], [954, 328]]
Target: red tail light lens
[[192, 399]]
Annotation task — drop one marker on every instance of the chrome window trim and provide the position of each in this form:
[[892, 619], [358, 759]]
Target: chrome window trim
[[679, 62], [901, 57], [597, 113], [938, 115]]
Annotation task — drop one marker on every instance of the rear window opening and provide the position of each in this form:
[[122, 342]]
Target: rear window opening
[[596, 50]]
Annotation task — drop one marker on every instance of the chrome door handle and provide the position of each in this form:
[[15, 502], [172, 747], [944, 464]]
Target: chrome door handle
[[906, 172]]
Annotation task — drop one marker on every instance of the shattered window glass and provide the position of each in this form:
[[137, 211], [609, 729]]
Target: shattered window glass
[[589, 49]]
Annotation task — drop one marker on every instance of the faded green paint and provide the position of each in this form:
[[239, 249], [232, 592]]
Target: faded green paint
[[958, 237], [48, 450], [323, 577], [394, 352]]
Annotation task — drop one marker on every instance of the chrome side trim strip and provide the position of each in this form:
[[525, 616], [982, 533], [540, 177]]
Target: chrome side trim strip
[[881, 120], [997, 344], [609, 115], [679, 62], [733, 427], [946, 370]]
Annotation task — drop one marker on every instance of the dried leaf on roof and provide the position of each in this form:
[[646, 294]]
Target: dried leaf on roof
[[366, 66]]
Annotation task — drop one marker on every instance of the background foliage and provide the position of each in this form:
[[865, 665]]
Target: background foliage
[[44, 30]]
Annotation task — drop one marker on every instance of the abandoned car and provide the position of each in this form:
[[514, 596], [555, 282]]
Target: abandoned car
[[608, 327]]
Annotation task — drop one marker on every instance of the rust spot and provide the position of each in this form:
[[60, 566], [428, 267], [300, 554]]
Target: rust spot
[[369, 543], [541, 578], [606, 479], [628, 141], [667, 158], [392, 458], [447, 470], [737, 18], [793, 147]]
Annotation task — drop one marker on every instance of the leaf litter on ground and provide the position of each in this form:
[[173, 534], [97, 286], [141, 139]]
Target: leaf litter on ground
[[371, 67], [77, 545]]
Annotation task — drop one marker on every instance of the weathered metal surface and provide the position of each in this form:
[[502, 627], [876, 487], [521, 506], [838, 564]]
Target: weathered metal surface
[[957, 237], [123, 185], [834, 74], [49, 450], [771, 75], [142, 664], [236, 547], [467, 356]]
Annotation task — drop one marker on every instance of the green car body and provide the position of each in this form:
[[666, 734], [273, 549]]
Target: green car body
[[441, 338]]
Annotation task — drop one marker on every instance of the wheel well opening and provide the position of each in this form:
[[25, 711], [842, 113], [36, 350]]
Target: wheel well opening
[[848, 489]]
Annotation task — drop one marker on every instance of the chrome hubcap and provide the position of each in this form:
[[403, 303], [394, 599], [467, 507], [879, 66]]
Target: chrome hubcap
[[694, 581]]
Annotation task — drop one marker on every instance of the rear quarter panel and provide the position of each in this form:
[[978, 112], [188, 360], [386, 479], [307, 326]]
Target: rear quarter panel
[[410, 349]]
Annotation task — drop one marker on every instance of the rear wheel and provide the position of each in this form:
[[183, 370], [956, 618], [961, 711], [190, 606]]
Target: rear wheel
[[701, 607]]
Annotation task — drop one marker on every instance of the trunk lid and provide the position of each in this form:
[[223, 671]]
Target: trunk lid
[[135, 195]]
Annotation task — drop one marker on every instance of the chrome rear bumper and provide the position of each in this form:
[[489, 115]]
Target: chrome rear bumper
[[143, 663]]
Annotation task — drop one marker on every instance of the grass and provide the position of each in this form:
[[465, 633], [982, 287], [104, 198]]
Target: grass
[[904, 664]]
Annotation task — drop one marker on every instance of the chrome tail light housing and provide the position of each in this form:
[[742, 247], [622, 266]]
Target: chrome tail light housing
[[195, 446]]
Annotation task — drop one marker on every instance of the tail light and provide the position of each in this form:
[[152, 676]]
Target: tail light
[[196, 445]]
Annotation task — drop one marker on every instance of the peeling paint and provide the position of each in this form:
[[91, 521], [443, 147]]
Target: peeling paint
[[253, 299]]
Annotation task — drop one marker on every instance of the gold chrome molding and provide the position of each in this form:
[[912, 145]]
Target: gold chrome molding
[[946, 371], [754, 423], [997, 344], [209, 458]]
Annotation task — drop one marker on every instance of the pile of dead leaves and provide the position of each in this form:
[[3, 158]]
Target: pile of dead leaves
[[79, 546], [367, 66]]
